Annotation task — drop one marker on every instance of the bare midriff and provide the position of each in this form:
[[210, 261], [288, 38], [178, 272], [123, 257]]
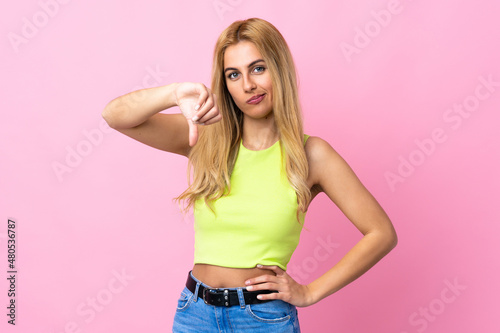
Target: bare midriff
[[226, 277]]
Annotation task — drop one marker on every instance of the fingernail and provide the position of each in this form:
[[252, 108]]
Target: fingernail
[[197, 107], [249, 288], [247, 282], [194, 119], [259, 266]]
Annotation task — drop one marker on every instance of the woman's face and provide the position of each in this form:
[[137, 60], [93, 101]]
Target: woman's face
[[247, 77]]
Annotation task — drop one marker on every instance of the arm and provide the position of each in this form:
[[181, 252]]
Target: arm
[[334, 176], [343, 187], [136, 115]]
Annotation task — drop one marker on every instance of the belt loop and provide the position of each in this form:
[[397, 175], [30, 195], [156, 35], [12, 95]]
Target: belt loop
[[196, 290], [241, 298]]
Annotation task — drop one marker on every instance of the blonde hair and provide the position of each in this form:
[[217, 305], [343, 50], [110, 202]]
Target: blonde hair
[[214, 155]]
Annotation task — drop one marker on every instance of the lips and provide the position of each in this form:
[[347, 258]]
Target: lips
[[255, 98]]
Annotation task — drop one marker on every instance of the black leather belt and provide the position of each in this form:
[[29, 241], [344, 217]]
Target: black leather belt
[[225, 297]]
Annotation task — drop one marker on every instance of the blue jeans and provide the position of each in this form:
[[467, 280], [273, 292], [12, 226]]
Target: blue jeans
[[193, 315]]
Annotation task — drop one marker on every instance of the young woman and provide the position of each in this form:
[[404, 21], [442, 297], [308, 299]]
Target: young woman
[[254, 174]]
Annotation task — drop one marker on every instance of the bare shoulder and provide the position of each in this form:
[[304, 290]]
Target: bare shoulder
[[323, 159], [317, 147]]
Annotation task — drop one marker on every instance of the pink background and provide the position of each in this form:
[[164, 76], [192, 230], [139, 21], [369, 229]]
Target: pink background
[[382, 81]]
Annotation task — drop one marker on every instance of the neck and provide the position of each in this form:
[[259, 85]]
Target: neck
[[260, 133]]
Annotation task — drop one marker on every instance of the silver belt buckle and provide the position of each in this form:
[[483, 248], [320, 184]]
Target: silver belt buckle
[[226, 295], [204, 293]]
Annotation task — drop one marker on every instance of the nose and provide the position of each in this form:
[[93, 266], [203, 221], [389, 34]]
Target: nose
[[248, 83]]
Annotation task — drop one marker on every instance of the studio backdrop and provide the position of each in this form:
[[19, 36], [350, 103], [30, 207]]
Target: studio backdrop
[[408, 92]]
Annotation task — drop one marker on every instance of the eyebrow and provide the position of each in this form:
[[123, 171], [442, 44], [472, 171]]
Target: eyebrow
[[249, 65]]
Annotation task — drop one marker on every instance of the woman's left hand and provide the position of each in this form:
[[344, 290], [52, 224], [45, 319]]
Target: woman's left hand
[[288, 290]]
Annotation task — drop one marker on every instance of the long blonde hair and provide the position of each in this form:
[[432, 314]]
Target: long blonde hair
[[214, 155]]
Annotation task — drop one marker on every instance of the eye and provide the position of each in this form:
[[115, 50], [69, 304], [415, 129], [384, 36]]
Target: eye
[[234, 75], [261, 68]]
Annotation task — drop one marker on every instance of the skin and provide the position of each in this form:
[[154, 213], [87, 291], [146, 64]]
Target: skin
[[259, 129], [328, 172]]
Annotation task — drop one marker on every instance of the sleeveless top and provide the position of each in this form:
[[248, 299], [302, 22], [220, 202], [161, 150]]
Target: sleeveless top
[[256, 223]]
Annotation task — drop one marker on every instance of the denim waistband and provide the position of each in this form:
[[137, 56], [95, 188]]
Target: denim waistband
[[239, 290]]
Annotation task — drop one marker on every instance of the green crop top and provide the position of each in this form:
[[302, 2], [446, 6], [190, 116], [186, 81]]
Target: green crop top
[[256, 223]]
